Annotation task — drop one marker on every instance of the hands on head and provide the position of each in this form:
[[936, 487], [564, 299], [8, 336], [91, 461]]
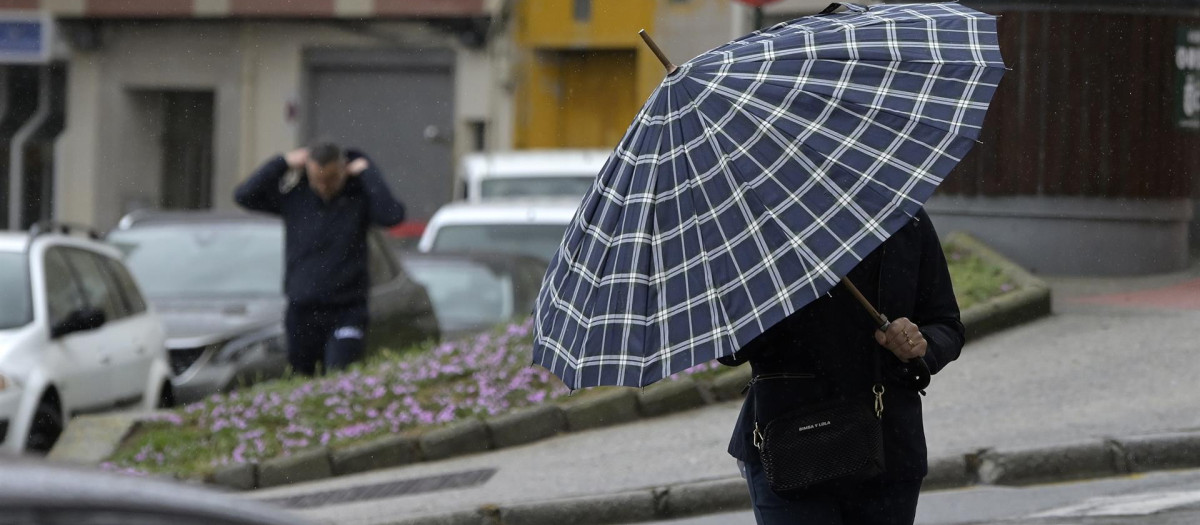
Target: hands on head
[[296, 158]]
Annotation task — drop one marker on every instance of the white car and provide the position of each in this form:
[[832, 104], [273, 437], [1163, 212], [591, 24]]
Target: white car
[[529, 173], [76, 336], [533, 227]]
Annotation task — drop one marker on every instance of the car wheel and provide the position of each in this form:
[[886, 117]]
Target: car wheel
[[166, 397], [47, 426]]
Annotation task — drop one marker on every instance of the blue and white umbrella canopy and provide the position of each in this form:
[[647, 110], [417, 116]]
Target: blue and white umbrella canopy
[[755, 177]]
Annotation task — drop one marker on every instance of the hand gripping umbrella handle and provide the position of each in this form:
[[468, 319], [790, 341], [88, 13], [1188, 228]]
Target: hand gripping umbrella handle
[[879, 318], [857, 8]]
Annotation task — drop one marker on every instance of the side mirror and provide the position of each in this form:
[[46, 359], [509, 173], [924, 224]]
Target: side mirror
[[80, 320]]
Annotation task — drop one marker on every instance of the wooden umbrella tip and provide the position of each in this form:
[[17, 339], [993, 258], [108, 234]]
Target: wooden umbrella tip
[[662, 57]]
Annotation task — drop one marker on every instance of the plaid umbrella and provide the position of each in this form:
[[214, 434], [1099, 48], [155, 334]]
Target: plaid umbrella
[[754, 178]]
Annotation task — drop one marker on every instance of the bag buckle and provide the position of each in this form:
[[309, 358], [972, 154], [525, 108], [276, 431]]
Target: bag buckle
[[878, 390], [758, 437]]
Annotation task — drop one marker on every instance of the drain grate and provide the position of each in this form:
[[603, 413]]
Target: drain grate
[[389, 489]]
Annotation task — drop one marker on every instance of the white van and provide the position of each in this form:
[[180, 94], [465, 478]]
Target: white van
[[529, 173], [526, 227]]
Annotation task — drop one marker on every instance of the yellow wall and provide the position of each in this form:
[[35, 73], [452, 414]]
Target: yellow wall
[[580, 83]]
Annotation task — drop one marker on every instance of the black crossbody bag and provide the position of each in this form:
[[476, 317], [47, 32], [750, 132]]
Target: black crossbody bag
[[839, 439]]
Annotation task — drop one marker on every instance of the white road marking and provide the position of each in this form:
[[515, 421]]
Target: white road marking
[[1128, 505]]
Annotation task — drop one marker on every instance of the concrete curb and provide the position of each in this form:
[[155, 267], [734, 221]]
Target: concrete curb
[[601, 408], [1066, 462], [1088, 459], [527, 425], [456, 439], [672, 396], [1030, 300], [92, 439], [392, 451], [302, 466]]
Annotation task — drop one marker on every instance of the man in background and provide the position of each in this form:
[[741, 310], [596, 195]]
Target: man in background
[[328, 199]]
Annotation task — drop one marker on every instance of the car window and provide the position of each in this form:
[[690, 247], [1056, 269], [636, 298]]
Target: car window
[[134, 302], [204, 260], [465, 294], [538, 240], [62, 292], [96, 287], [15, 309], [379, 265], [565, 186]]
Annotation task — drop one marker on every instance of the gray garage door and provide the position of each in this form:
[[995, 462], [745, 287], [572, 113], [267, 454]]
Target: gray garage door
[[398, 106]]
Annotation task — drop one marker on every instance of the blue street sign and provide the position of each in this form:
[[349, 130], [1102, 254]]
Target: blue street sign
[[24, 39]]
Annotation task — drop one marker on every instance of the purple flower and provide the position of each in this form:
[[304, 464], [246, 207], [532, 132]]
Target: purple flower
[[536, 397], [169, 417], [239, 453]]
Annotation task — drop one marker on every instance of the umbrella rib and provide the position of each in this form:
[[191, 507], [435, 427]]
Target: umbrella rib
[[584, 360], [716, 298], [562, 307]]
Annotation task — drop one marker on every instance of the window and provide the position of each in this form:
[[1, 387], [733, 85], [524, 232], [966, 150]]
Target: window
[[204, 260], [134, 302], [537, 240], [583, 10], [62, 293], [96, 288]]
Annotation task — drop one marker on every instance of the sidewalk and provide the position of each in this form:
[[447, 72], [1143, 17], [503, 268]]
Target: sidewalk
[[1121, 364]]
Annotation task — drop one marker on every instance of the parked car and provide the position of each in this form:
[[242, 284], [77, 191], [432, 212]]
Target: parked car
[[526, 227], [39, 493], [475, 291], [217, 280], [529, 173], [76, 336]]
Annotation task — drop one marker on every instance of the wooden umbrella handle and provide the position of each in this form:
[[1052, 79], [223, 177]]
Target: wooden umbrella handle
[[879, 318]]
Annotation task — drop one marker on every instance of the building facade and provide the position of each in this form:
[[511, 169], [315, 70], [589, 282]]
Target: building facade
[[170, 104]]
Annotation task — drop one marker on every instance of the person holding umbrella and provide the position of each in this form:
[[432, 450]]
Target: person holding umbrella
[[826, 350], [760, 186]]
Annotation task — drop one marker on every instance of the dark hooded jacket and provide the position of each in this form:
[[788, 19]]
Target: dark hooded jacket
[[326, 242], [832, 338]]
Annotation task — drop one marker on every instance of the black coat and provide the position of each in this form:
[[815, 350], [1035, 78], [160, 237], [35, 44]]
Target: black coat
[[833, 338], [326, 242]]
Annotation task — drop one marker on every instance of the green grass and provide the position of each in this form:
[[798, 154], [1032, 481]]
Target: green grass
[[393, 393], [974, 280]]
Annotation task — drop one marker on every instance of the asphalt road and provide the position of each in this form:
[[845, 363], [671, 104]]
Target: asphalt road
[[1166, 498]]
